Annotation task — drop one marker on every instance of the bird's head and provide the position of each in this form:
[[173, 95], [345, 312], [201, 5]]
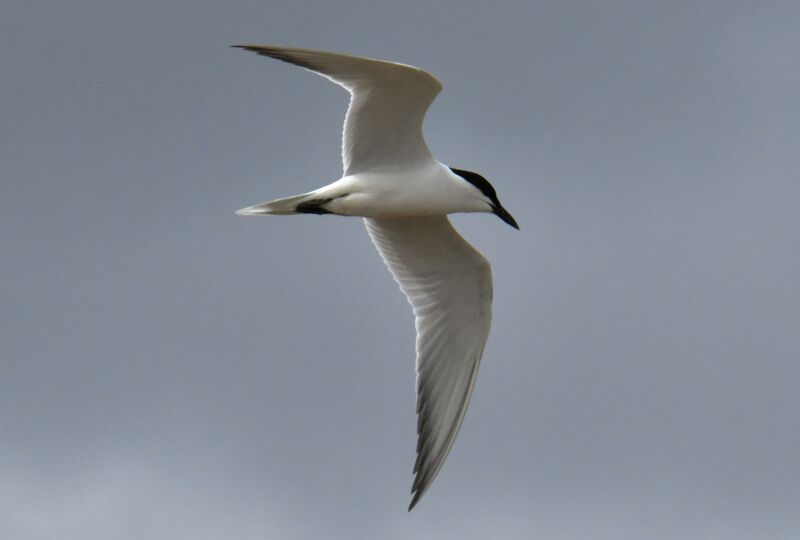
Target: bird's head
[[487, 193]]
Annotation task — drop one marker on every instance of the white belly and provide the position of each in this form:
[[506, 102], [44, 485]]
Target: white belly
[[428, 190]]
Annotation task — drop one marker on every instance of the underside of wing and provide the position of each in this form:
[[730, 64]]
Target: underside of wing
[[388, 102], [449, 285]]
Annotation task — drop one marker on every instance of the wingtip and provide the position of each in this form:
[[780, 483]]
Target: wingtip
[[254, 48], [414, 500], [418, 489]]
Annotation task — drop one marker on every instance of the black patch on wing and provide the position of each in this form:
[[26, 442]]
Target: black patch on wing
[[279, 53]]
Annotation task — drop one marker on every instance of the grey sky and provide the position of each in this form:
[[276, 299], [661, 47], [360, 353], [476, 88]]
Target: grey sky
[[170, 370]]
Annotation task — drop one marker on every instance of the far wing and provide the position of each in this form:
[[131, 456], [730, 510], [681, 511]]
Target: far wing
[[449, 285], [388, 101]]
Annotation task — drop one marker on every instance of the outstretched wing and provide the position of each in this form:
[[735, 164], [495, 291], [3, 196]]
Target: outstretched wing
[[388, 101], [449, 285]]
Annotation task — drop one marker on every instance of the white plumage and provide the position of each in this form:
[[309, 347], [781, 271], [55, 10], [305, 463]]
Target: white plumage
[[391, 179]]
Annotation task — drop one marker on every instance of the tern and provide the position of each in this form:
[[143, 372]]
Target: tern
[[404, 195]]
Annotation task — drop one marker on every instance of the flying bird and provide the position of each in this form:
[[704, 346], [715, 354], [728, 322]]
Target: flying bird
[[404, 195]]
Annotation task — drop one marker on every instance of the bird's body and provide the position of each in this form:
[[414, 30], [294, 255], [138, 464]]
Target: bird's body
[[425, 190], [392, 180]]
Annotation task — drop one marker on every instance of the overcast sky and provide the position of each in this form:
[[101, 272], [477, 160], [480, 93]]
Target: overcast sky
[[171, 370]]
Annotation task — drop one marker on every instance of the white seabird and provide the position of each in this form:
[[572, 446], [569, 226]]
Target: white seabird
[[392, 180]]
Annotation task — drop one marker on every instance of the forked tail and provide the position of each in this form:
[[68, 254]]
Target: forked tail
[[307, 203]]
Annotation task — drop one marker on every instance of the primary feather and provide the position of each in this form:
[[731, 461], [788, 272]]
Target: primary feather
[[388, 101]]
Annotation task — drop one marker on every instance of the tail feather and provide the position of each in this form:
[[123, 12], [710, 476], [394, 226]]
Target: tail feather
[[285, 206]]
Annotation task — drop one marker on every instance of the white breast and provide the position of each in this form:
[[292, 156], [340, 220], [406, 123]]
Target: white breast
[[421, 191]]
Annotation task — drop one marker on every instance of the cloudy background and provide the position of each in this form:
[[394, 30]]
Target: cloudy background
[[171, 370]]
